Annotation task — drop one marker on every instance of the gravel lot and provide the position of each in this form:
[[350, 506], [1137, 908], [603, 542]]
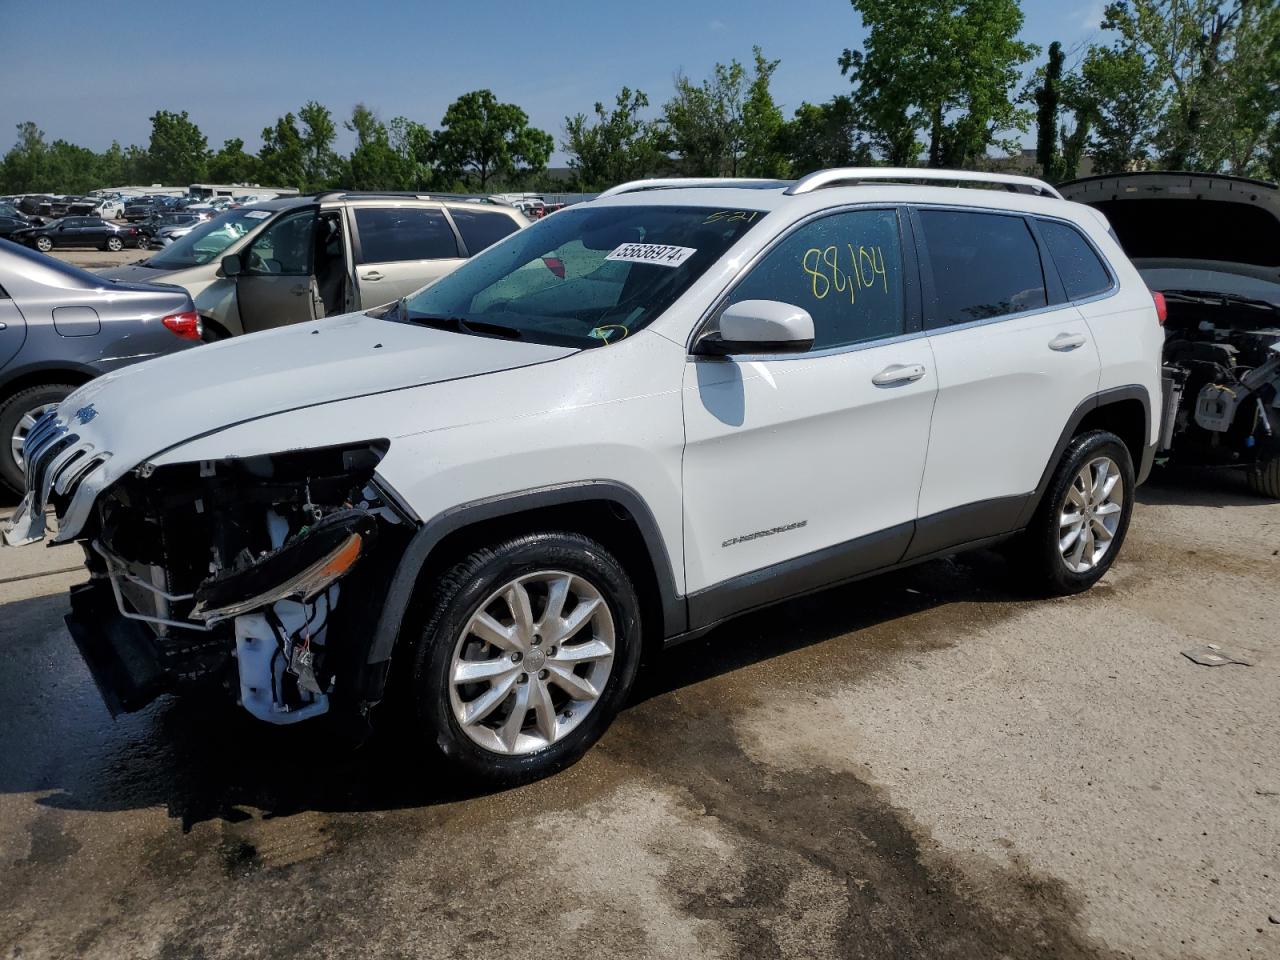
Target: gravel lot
[[924, 765]]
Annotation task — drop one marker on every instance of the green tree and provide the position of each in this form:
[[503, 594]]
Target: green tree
[[320, 163], [1048, 98], [481, 138], [763, 153], [415, 144], [946, 69], [617, 146], [232, 164], [374, 164], [825, 135], [25, 167], [283, 157], [178, 152], [1123, 101], [1217, 68]]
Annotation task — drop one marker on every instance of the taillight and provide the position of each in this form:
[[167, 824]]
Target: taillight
[[1162, 308], [185, 324]]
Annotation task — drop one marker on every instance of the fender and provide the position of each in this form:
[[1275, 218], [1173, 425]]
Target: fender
[[429, 535], [1101, 399]]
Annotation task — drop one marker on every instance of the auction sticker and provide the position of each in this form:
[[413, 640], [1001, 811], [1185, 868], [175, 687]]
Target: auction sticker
[[659, 253], [257, 214]]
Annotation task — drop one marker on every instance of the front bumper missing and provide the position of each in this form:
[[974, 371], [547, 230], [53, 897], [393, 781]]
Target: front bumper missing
[[122, 655], [26, 525]]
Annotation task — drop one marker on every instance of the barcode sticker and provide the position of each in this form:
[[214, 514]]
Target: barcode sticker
[[662, 254]]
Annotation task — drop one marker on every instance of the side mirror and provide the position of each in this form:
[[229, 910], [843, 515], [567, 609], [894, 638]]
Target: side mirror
[[760, 326], [231, 266]]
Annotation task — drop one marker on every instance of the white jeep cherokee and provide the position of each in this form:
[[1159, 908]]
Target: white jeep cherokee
[[637, 418]]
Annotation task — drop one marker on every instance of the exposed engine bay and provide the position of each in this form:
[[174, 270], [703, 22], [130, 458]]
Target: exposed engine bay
[[1221, 380], [255, 575], [1210, 245]]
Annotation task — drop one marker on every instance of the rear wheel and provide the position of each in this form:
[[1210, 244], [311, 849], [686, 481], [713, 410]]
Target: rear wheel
[[18, 415], [1080, 524], [532, 649], [1264, 478]]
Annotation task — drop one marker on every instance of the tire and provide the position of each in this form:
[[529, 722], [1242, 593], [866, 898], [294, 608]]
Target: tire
[[115, 244], [1082, 562], [1264, 478], [485, 748], [44, 244], [13, 412]]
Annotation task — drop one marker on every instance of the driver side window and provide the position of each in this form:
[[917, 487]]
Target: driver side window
[[283, 248], [845, 269]]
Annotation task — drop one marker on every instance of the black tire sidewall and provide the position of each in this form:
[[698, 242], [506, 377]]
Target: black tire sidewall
[[461, 595], [1045, 532], [11, 411]]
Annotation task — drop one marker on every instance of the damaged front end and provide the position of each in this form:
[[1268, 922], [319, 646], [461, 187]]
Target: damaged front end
[[258, 575]]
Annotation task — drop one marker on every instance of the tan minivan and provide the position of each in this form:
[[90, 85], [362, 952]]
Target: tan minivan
[[300, 258]]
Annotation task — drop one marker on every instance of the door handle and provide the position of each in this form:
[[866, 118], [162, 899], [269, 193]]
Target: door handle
[[4, 326], [1067, 341], [372, 275], [898, 373], [299, 290]]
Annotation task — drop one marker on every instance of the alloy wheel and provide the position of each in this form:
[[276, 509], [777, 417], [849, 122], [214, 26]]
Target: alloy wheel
[[25, 423], [532, 662], [1090, 514]]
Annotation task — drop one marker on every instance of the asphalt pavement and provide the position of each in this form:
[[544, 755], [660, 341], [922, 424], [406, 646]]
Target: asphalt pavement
[[928, 764]]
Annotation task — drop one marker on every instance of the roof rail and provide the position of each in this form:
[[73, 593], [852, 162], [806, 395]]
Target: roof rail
[[400, 195], [670, 183], [844, 176]]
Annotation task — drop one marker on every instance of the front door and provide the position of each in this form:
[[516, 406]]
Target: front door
[[274, 287], [804, 469], [1011, 370], [399, 249]]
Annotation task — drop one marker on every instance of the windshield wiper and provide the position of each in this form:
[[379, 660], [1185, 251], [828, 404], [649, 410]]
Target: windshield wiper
[[460, 325], [1219, 299]]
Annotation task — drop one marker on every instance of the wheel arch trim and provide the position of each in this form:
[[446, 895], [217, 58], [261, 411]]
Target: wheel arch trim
[[430, 534], [1097, 401]]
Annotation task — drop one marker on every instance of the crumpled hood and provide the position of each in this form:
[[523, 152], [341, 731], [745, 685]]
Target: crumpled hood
[[137, 412]]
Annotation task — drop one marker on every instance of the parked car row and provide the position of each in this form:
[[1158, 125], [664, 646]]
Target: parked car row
[[68, 232]]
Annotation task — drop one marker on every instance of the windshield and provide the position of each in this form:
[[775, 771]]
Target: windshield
[[207, 241], [584, 277]]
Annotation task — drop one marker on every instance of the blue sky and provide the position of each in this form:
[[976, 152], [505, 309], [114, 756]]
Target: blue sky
[[114, 63]]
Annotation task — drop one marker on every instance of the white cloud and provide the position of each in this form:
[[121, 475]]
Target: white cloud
[[715, 26]]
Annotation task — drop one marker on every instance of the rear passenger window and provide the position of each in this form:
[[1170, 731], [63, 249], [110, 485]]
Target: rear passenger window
[[845, 269], [390, 234], [482, 228], [1082, 272], [984, 265]]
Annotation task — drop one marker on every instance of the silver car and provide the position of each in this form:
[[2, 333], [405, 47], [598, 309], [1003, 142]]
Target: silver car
[[61, 326]]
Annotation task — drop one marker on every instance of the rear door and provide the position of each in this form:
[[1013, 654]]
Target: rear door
[[274, 285], [399, 249], [1013, 360]]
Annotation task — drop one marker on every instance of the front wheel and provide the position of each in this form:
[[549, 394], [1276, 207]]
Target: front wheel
[[44, 244], [532, 649], [115, 244], [1080, 524]]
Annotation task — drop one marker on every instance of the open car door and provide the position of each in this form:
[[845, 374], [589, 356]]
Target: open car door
[[275, 286]]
